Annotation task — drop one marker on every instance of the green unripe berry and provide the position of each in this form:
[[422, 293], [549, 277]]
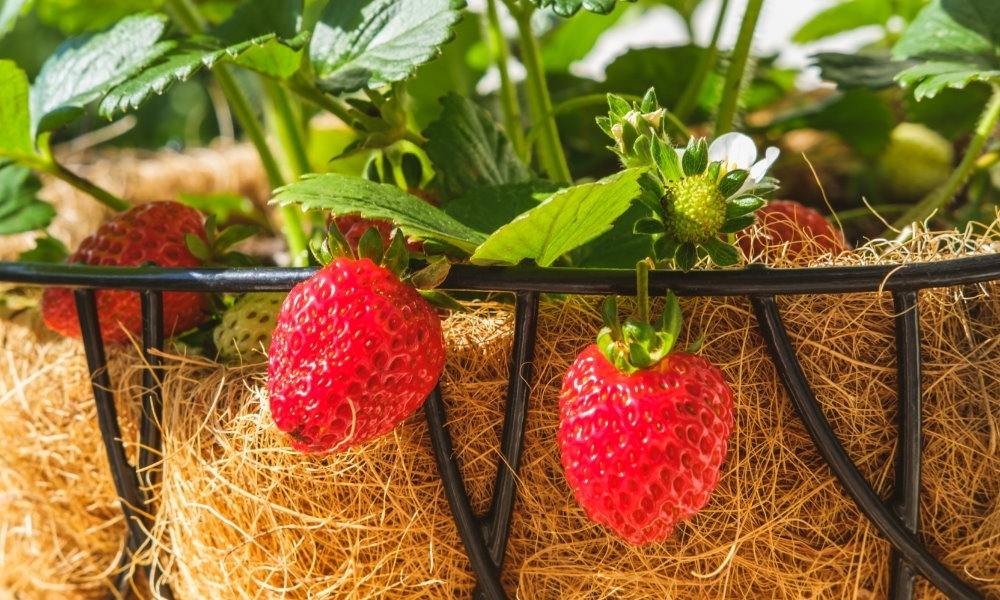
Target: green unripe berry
[[916, 161], [694, 209], [246, 326]]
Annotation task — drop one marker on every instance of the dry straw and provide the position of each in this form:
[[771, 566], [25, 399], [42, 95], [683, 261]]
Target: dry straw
[[243, 516]]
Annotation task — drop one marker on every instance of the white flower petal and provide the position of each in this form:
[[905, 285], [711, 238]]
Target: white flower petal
[[759, 169], [735, 150]]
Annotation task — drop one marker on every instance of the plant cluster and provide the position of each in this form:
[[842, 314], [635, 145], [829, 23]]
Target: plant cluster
[[423, 173]]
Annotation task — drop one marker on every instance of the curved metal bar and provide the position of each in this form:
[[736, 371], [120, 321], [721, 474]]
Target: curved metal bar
[[497, 522], [150, 432], [906, 496], [487, 572], [888, 524], [125, 479], [750, 281]]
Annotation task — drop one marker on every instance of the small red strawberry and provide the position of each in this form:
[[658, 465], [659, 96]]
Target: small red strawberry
[[643, 429], [152, 233], [790, 229], [355, 351]]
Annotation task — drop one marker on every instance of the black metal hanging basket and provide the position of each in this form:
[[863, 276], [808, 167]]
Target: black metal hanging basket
[[485, 536]]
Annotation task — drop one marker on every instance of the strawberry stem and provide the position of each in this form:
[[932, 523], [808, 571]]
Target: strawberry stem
[[642, 290]]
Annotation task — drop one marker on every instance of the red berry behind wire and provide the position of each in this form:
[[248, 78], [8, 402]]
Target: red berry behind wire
[[643, 451], [355, 352], [150, 233], [790, 229]]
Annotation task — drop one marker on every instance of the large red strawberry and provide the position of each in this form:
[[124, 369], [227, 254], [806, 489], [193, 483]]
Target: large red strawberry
[[355, 351], [150, 233], [788, 229], [643, 429]]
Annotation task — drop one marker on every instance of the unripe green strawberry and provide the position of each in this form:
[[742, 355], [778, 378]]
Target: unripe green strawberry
[[642, 451], [355, 352], [694, 210], [916, 161], [152, 233], [246, 326]]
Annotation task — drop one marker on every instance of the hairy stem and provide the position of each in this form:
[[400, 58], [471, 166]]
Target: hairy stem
[[737, 64], [550, 152], [602, 99], [940, 196], [705, 65], [85, 185], [508, 93]]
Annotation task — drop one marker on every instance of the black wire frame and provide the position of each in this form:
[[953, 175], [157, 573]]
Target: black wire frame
[[485, 536]]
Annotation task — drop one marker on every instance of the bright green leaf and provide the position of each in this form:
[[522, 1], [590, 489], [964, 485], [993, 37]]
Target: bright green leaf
[[46, 250], [573, 38], [666, 160], [470, 151], [87, 67], [20, 209], [848, 15], [488, 208], [340, 194], [77, 16], [566, 220], [370, 43], [15, 119], [10, 10], [930, 78], [568, 8]]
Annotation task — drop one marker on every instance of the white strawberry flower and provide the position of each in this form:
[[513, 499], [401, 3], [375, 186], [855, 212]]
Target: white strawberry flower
[[737, 151]]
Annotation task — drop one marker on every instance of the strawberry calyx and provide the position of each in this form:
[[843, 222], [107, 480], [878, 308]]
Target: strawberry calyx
[[213, 249], [639, 344]]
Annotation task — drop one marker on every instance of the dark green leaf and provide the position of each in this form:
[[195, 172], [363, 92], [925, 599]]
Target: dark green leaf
[[871, 71], [469, 150], [46, 250], [848, 15], [487, 209], [721, 253], [666, 160], [370, 246], [432, 275], [397, 256], [618, 107], [20, 209], [569, 218], [951, 112], [734, 224], [959, 39], [442, 300], [77, 16], [256, 18], [609, 314], [620, 247], [568, 8], [695, 158], [686, 257], [340, 194], [15, 119], [10, 10], [669, 68], [737, 207], [648, 226], [87, 67], [731, 182], [413, 170], [370, 43]]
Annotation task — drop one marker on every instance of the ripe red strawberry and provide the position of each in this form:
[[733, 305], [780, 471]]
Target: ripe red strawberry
[[642, 451], [355, 351], [150, 233], [790, 229]]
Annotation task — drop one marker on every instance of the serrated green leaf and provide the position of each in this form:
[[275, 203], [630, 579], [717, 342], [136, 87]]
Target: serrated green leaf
[[487, 209], [959, 39], [721, 253], [469, 150], [566, 220], [871, 71], [568, 8], [15, 119], [340, 194], [848, 15], [20, 208], [87, 67], [370, 43], [46, 250], [10, 10], [666, 160]]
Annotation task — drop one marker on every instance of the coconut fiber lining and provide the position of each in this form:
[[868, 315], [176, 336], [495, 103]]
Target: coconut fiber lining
[[244, 516]]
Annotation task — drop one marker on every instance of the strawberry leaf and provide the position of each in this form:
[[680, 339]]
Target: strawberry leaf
[[370, 43], [340, 194], [959, 42], [564, 221], [46, 250], [848, 15], [871, 71], [568, 8], [487, 209], [20, 209], [721, 253], [15, 120], [469, 151], [86, 67]]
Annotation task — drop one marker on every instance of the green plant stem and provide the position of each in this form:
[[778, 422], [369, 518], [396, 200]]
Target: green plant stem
[[508, 93], [705, 65], [187, 15], [286, 125], [734, 76], [602, 100], [84, 185], [938, 198], [550, 152], [642, 291]]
